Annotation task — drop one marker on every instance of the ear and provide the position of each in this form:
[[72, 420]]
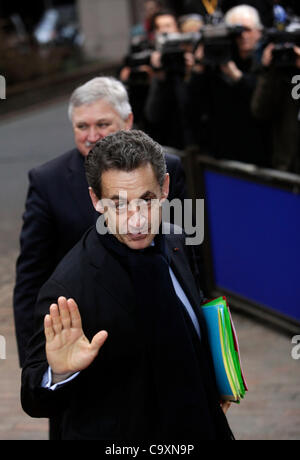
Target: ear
[[129, 122], [165, 188], [96, 202]]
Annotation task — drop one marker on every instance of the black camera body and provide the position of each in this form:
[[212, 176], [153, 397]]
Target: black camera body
[[284, 41], [140, 52], [139, 55], [220, 43], [173, 47], [284, 55]]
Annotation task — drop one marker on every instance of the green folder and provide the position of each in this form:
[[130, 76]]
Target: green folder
[[225, 350]]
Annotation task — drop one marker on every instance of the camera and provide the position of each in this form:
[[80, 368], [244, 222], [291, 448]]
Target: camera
[[285, 41], [173, 47], [139, 55], [219, 43]]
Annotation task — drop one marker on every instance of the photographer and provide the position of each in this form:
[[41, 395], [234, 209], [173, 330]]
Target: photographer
[[273, 101], [221, 89], [136, 71], [136, 74], [165, 106]]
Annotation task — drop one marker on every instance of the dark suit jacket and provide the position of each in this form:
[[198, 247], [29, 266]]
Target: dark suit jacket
[[110, 399], [58, 212]]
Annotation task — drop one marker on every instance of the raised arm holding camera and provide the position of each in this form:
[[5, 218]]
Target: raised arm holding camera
[[274, 101], [171, 61], [221, 88]]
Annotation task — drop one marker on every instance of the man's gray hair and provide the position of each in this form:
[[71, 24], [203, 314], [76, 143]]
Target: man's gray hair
[[108, 88], [124, 151], [243, 11]]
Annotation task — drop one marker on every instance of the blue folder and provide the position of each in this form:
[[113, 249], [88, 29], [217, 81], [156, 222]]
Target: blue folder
[[225, 350]]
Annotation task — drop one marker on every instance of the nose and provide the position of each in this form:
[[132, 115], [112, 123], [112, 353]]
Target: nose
[[136, 223], [94, 134]]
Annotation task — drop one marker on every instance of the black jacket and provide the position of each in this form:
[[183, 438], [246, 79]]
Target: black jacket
[[58, 212], [110, 399]]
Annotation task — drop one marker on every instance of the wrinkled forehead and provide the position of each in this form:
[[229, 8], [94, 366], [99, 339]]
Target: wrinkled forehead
[[133, 184], [97, 110]]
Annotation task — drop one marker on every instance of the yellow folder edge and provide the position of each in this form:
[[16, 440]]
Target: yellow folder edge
[[230, 357], [230, 380]]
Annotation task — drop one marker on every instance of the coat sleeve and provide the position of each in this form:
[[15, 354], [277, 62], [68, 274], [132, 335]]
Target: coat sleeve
[[158, 100], [36, 400], [265, 99], [36, 260]]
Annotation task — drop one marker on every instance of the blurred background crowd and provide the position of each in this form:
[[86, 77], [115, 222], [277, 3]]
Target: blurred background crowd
[[218, 75], [215, 74]]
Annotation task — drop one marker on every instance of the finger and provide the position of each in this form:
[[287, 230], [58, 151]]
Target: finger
[[55, 317], [64, 313], [297, 50], [98, 340], [74, 314], [48, 329]]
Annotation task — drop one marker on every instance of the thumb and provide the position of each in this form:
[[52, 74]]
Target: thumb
[[98, 340], [297, 50], [225, 406]]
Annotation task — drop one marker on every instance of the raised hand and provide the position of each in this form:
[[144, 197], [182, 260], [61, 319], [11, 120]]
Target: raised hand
[[232, 71], [267, 56], [297, 52], [67, 348]]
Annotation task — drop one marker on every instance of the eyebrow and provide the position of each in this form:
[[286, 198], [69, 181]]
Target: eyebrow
[[100, 120], [143, 197]]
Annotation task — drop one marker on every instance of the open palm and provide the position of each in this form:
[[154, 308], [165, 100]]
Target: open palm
[[67, 348]]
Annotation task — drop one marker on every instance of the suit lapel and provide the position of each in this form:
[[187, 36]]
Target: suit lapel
[[79, 188], [180, 266]]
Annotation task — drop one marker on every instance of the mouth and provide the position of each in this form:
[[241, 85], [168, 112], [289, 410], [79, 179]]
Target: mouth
[[137, 236], [89, 145]]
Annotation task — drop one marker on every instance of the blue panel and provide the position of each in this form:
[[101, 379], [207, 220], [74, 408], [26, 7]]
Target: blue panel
[[255, 239]]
